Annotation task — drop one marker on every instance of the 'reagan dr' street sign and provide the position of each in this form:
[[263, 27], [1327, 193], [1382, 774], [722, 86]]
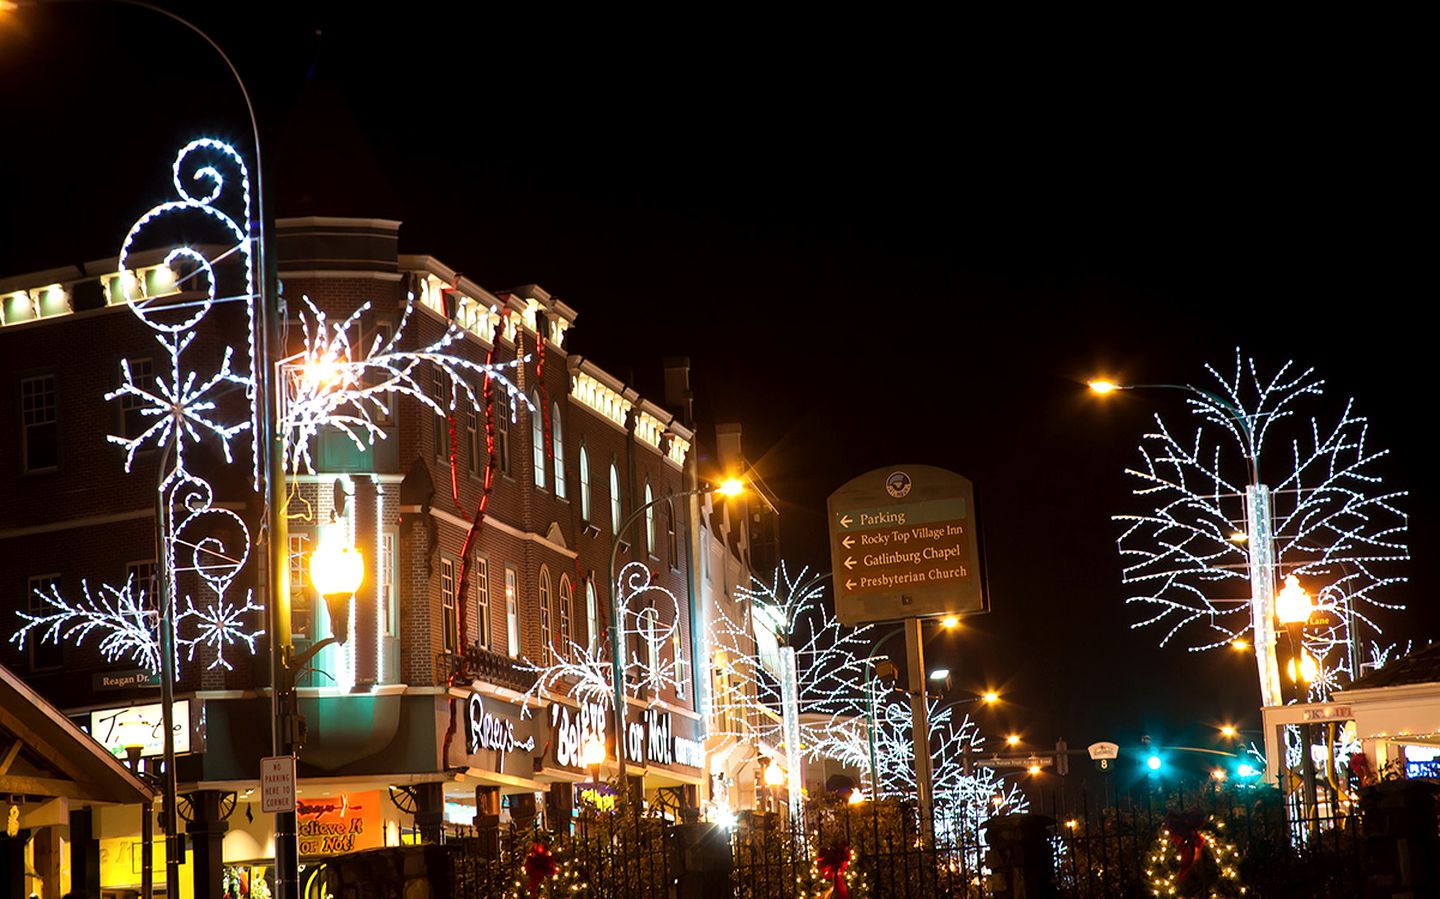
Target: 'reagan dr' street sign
[[904, 544]]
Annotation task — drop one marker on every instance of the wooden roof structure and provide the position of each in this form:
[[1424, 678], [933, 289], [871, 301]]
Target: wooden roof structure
[[44, 755]]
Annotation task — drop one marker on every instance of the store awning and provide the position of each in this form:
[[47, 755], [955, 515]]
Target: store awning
[[45, 756]]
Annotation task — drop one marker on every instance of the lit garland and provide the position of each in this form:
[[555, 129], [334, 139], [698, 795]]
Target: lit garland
[[1191, 858], [327, 385], [1336, 521]]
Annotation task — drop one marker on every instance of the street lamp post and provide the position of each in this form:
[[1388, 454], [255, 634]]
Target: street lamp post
[[729, 487], [133, 732], [947, 623]]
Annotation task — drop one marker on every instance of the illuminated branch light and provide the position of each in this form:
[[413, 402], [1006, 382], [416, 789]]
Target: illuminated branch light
[[129, 628], [1335, 524], [832, 677], [330, 385]]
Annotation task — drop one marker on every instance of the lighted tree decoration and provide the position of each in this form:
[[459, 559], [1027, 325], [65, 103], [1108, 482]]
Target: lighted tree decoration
[[831, 674], [192, 403], [1223, 527], [819, 666]]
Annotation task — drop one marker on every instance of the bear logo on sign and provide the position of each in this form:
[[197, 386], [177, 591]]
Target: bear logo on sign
[[898, 484]]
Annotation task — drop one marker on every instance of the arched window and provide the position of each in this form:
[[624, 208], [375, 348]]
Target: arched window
[[567, 609], [649, 519], [614, 499], [547, 649], [673, 543], [537, 440], [584, 483], [557, 450], [592, 615]]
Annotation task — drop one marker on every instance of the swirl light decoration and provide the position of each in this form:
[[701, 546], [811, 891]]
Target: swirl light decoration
[[647, 610], [196, 401], [1223, 528]]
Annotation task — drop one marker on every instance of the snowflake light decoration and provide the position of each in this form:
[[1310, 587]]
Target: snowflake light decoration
[[1224, 528], [193, 405]]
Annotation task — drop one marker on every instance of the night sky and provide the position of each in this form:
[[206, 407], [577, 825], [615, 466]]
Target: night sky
[[879, 241]]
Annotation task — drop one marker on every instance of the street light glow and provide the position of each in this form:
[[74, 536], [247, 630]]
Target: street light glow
[[1239, 645], [1227, 730], [1013, 739], [950, 622], [1033, 769], [336, 567], [592, 754], [1218, 774], [939, 674], [991, 696], [1103, 386], [774, 774], [731, 487], [1153, 763], [1292, 604]]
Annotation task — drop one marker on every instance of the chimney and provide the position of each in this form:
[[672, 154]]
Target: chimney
[[678, 397], [727, 445]]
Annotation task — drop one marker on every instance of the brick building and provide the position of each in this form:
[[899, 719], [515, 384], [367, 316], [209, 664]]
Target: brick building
[[417, 719]]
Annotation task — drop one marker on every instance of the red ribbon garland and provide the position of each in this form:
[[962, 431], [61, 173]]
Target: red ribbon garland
[[832, 863], [539, 865]]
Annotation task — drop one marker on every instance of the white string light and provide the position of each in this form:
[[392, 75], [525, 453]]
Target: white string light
[[1333, 521]]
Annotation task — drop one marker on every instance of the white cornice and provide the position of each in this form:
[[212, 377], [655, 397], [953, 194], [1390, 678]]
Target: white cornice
[[456, 521]]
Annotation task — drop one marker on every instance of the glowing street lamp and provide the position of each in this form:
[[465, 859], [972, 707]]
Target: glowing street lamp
[[337, 569], [1012, 740], [990, 697], [1102, 386], [1292, 604], [1228, 731], [592, 754]]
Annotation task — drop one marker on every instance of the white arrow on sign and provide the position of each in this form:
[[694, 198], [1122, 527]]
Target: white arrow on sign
[[849, 585], [848, 542], [849, 562], [845, 521]]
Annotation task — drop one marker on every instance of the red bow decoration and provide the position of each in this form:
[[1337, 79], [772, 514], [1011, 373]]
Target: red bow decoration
[[832, 863], [1185, 836], [539, 865]]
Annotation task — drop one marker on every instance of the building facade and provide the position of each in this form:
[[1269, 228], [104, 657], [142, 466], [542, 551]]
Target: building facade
[[487, 534]]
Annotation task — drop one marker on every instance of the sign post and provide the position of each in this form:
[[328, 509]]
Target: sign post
[[277, 784], [904, 547], [904, 544], [920, 723]]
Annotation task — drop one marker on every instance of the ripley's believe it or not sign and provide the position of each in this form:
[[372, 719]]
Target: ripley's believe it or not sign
[[904, 544], [650, 740]]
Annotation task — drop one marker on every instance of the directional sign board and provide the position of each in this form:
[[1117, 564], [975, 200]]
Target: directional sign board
[[904, 544]]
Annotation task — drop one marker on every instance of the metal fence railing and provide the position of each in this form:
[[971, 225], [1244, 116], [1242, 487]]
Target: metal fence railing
[[1202, 842]]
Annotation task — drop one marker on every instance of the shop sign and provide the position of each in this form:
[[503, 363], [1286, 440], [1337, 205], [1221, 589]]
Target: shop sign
[[104, 727], [486, 731], [635, 741], [571, 728], [665, 747], [335, 824]]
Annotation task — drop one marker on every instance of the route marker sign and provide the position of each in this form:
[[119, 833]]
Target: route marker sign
[[904, 544]]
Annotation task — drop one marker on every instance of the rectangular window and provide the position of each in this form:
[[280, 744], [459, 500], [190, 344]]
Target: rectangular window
[[143, 586], [503, 410], [389, 605], [472, 442], [44, 654], [384, 332], [300, 607], [671, 539], [512, 613], [679, 665], [449, 623], [482, 602], [40, 431], [440, 394], [132, 422]]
